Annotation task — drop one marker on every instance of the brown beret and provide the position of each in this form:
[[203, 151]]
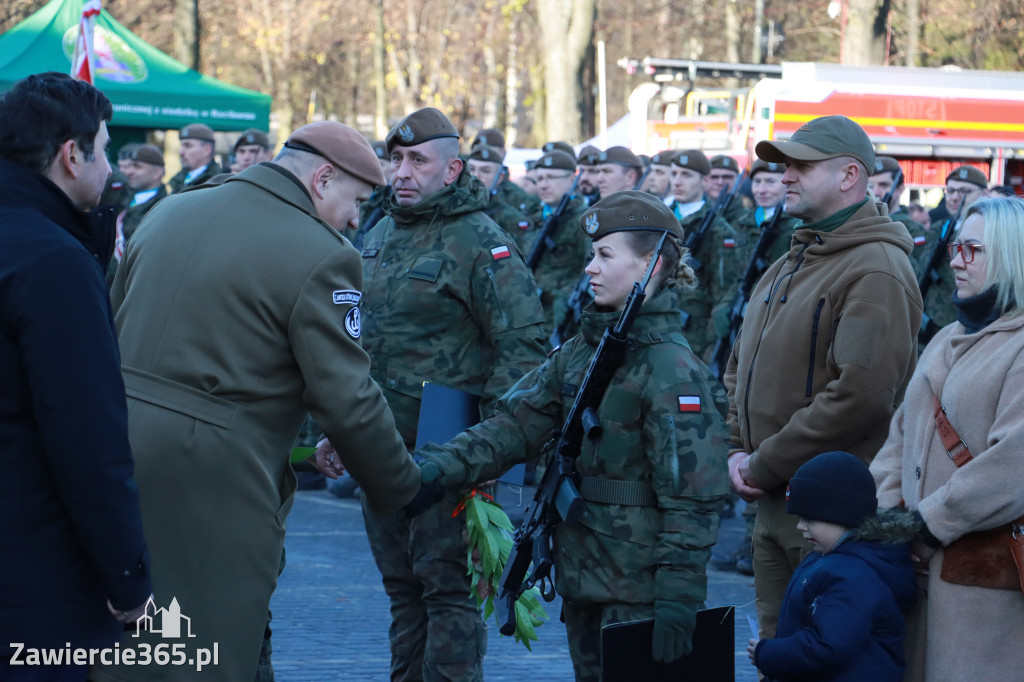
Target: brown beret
[[381, 150], [147, 153], [342, 146], [490, 137], [588, 155], [620, 156], [693, 159], [826, 137], [420, 126], [252, 136], [969, 174], [663, 158], [761, 165], [629, 210], [483, 152], [557, 159], [197, 131], [726, 162], [560, 146]]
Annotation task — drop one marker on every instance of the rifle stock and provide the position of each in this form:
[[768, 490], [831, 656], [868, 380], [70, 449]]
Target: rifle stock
[[557, 497], [897, 180], [544, 241]]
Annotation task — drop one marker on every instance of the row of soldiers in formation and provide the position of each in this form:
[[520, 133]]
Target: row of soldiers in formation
[[725, 209]]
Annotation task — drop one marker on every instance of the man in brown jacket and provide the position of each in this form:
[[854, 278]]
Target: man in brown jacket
[[828, 342], [224, 351]]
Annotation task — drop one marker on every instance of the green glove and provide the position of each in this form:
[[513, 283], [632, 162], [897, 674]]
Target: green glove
[[673, 629]]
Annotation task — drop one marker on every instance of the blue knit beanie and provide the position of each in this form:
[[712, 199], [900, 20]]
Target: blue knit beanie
[[835, 487]]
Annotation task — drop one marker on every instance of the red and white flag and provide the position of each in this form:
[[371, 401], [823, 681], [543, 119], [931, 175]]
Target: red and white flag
[[499, 252], [689, 403], [83, 61]]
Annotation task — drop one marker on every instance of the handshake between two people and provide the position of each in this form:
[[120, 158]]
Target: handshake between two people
[[327, 460]]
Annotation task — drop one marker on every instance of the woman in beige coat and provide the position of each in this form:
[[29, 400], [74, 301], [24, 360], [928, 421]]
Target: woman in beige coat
[[975, 367]]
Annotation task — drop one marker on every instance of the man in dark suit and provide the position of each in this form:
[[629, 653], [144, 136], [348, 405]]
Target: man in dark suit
[[76, 564]]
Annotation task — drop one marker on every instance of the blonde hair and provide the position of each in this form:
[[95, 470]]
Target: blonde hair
[[674, 252], [1004, 249]]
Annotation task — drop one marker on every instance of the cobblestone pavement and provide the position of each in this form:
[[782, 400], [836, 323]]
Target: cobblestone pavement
[[331, 613]]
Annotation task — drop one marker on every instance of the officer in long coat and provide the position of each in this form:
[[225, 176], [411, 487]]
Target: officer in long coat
[[224, 351]]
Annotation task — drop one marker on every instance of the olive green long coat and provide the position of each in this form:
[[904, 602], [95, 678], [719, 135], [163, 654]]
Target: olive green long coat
[[236, 309]]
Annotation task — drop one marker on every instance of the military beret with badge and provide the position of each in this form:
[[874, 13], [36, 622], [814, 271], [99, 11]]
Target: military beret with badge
[[694, 159], [483, 152], [147, 153], [762, 166], [726, 162], [420, 126], [560, 146], [556, 159], [969, 174], [626, 211], [197, 131], [252, 136], [620, 156]]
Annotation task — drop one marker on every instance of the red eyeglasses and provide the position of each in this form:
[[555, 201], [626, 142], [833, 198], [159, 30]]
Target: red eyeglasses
[[965, 249]]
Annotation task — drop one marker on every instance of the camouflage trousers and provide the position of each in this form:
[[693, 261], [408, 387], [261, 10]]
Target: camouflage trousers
[[437, 633], [583, 623]]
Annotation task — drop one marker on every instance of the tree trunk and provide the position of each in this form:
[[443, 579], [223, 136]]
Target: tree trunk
[[567, 30], [512, 83], [380, 118], [186, 33], [913, 31], [863, 44]]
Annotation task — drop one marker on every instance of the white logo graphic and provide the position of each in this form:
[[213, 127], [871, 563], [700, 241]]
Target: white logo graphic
[[170, 621], [591, 224], [353, 323], [405, 132], [347, 296]]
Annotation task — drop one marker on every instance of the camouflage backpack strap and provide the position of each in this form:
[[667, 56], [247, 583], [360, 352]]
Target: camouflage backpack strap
[[607, 491]]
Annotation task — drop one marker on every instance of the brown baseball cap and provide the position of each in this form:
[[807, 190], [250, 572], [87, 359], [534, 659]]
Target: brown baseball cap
[[491, 137], [693, 159], [969, 174], [483, 152], [557, 159], [560, 146], [826, 137], [760, 165], [588, 155], [620, 156], [252, 136], [147, 153], [726, 162], [629, 210], [197, 131], [342, 146], [420, 126]]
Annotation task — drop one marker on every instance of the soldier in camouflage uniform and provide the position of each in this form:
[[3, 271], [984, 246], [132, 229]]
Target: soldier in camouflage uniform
[[641, 549], [196, 154], [587, 161], [372, 210], [964, 185], [144, 172], [881, 183], [508, 192], [724, 172], [560, 266], [485, 163], [714, 254], [447, 299], [659, 176]]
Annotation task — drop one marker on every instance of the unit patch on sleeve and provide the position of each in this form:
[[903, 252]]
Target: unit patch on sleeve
[[689, 403], [342, 296], [500, 252], [353, 323]]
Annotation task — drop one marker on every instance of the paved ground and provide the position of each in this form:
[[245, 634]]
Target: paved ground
[[331, 613]]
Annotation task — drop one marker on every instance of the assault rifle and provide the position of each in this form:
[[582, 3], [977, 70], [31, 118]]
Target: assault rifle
[[545, 240], [751, 274], [580, 297], [498, 179], [932, 274], [696, 238], [557, 497], [897, 179]]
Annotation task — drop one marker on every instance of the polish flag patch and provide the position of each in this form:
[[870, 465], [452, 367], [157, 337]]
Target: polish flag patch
[[689, 403], [524, 225], [729, 243], [499, 252], [919, 240]]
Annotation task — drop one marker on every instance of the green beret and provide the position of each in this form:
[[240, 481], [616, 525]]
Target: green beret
[[629, 210], [147, 153], [826, 137], [885, 164], [969, 174], [197, 131], [663, 158], [726, 162], [645, 160], [491, 137], [620, 156], [693, 159], [588, 155], [760, 165], [419, 127], [253, 136], [381, 150], [125, 152], [560, 146], [557, 159], [483, 152]]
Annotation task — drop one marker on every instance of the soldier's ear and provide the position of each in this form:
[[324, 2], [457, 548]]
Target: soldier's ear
[[322, 177], [454, 169]]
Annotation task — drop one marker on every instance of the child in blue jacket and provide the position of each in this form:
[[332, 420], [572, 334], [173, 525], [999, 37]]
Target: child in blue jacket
[[842, 616]]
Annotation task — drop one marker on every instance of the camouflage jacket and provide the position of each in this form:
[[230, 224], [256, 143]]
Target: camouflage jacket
[[518, 198], [560, 268], [510, 219], [924, 240], [664, 425], [371, 212], [713, 260], [177, 183], [446, 299], [938, 300]]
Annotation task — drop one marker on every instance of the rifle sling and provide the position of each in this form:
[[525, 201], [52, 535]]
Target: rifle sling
[[607, 491]]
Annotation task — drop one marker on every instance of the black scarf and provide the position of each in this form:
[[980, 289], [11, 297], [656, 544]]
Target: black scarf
[[978, 311]]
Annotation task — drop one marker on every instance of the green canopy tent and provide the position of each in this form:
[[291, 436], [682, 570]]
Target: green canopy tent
[[147, 88]]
